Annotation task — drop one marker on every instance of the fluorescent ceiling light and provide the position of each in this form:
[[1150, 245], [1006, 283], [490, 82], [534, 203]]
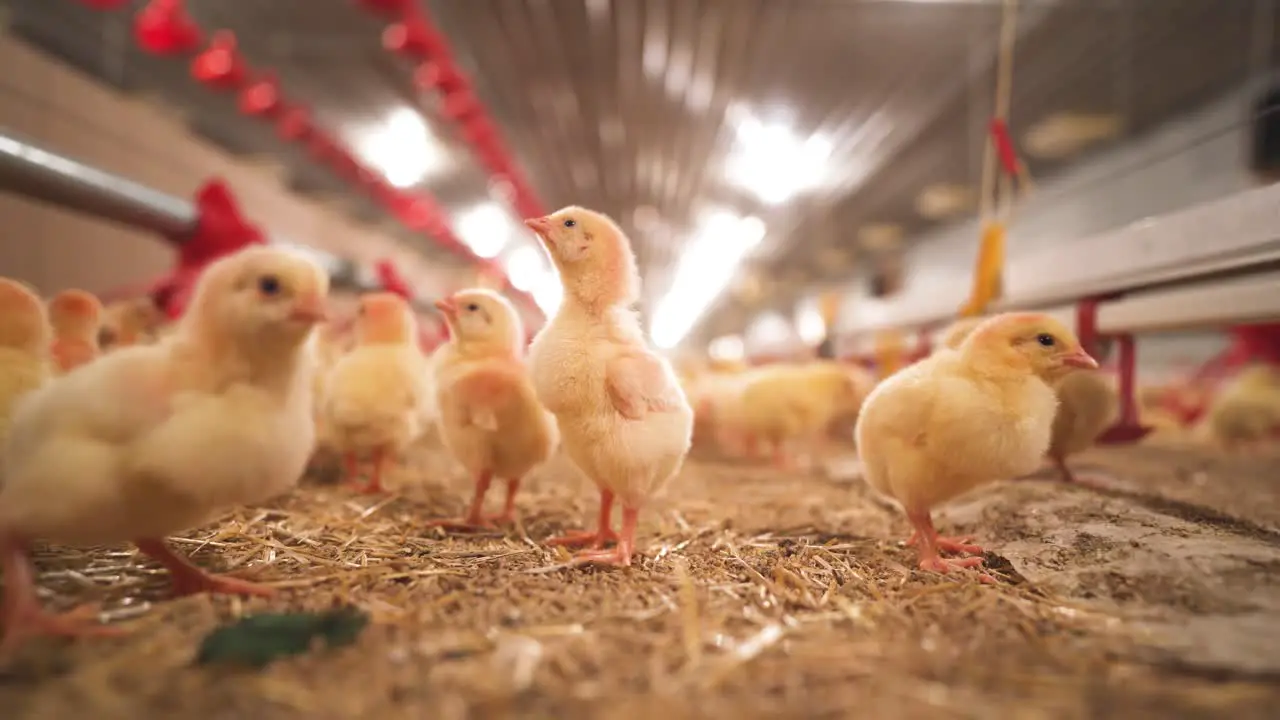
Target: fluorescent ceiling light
[[485, 228], [548, 293], [773, 162], [403, 148], [809, 324], [706, 266], [727, 348], [525, 267]]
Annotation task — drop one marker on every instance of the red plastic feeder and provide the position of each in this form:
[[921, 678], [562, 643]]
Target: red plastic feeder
[[1128, 428], [295, 124], [164, 28], [261, 98], [220, 65], [461, 106], [438, 75], [411, 37]]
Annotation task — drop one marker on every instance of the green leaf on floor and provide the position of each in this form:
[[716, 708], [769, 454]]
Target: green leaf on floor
[[258, 640]]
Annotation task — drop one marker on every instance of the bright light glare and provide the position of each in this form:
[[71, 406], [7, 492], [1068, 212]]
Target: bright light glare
[[770, 330], [547, 293], [727, 348], [773, 162], [485, 228], [524, 267], [810, 325], [403, 148], [707, 265]]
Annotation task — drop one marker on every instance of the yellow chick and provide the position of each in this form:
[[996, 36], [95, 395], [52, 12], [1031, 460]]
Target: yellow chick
[[129, 322], [24, 348], [491, 421], [789, 405], [151, 440], [1087, 405], [375, 394], [76, 317], [623, 419], [962, 418], [1246, 411]]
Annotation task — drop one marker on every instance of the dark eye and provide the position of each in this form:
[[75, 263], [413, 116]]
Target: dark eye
[[1046, 340], [268, 284], [472, 307], [570, 223]]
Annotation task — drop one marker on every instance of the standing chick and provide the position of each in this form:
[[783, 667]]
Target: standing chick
[[962, 418], [1087, 405], [24, 348], [76, 317], [129, 322], [623, 419], [376, 392], [1245, 413], [154, 439], [490, 418]]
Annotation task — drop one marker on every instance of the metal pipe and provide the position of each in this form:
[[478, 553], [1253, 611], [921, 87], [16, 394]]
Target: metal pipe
[[58, 180], [43, 175]]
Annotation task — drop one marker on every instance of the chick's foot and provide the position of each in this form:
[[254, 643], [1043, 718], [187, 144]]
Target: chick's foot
[[23, 616], [940, 565], [620, 555], [950, 544], [187, 579], [582, 538]]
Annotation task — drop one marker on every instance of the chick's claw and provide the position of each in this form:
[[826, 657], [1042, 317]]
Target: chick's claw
[[187, 579], [950, 544], [619, 556], [585, 538]]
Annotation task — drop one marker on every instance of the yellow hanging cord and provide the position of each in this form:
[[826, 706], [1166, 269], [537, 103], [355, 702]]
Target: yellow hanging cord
[[996, 192]]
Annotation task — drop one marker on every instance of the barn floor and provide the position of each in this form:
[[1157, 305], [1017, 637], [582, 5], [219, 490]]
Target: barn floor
[[759, 594]]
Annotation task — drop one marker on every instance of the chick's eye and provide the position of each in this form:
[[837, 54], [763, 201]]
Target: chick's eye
[[269, 285], [472, 307], [1046, 340], [570, 223]]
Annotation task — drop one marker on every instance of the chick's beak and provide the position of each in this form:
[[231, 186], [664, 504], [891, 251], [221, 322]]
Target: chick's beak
[[540, 225], [447, 307], [309, 308], [1079, 359]]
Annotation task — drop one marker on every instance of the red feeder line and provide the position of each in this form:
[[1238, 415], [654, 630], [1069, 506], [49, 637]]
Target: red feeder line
[[415, 36], [163, 27]]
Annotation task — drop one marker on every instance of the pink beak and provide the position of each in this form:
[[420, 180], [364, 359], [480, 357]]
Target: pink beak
[[447, 307], [310, 309], [541, 225], [1079, 359]]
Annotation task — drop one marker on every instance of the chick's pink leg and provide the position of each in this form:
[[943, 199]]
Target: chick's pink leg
[[597, 539], [474, 519], [1070, 477], [929, 545], [22, 615], [508, 514], [620, 555], [375, 479], [188, 579], [353, 471]]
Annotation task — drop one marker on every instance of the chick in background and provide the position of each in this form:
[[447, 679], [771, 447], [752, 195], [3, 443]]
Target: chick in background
[[129, 322], [25, 337], [491, 421], [966, 417], [1087, 405], [151, 440], [790, 406], [76, 317], [623, 419], [1245, 412], [375, 394]]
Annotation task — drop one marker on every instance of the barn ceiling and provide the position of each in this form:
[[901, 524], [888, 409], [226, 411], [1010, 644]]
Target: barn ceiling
[[822, 118]]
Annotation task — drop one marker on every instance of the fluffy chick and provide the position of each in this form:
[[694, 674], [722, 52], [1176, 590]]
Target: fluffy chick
[[24, 348], [129, 322], [491, 421], [1246, 411], [76, 317], [375, 393], [1087, 404], [786, 406], [962, 418], [623, 419], [154, 439]]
